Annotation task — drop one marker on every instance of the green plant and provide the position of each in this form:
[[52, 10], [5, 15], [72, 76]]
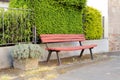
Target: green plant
[[25, 51], [18, 4], [55, 16], [92, 23], [15, 25]]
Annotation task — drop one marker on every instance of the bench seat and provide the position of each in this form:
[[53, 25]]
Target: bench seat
[[71, 48]]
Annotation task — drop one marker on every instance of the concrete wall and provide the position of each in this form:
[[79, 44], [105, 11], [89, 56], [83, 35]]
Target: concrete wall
[[4, 4], [114, 25], [6, 58]]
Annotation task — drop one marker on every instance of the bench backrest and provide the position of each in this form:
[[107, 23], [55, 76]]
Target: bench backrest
[[49, 38]]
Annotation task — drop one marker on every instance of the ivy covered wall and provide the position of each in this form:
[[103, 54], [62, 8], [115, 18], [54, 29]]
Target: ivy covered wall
[[55, 16]]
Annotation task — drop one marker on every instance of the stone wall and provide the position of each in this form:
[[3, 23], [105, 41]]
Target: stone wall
[[114, 25]]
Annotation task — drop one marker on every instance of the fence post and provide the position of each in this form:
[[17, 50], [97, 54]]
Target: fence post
[[34, 35], [103, 24]]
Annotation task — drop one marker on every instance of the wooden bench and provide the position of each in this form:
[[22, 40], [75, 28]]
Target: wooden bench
[[57, 38]]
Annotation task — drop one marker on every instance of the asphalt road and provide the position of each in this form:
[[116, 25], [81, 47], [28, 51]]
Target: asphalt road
[[104, 70]]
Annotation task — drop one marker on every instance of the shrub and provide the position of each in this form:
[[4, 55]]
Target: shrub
[[92, 23], [55, 16], [18, 4], [15, 26], [25, 51]]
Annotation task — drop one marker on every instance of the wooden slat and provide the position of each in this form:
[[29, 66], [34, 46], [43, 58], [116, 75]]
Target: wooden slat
[[72, 48], [61, 37]]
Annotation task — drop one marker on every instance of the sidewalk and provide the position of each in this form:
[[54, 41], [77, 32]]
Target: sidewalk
[[105, 66], [104, 70]]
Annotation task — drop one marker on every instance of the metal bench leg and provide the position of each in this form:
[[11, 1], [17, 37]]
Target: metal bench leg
[[49, 54], [59, 61], [91, 54], [81, 53]]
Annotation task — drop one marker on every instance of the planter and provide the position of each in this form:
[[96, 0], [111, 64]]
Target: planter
[[26, 56], [25, 64]]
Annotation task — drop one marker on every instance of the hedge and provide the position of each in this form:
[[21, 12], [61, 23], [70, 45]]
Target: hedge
[[92, 23], [55, 16], [15, 26]]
